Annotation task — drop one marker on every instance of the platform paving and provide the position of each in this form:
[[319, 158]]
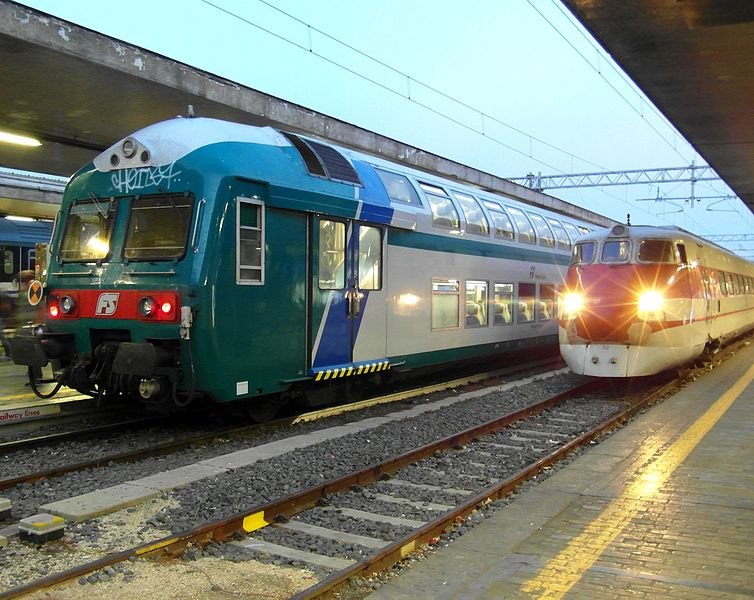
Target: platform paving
[[662, 509]]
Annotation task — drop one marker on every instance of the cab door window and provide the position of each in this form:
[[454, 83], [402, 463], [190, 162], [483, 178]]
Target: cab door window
[[250, 241]]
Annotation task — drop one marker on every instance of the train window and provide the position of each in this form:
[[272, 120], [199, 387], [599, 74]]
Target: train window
[[682, 253], [476, 303], [525, 230], [502, 304], [543, 230], [476, 222], [741, 286], [399, 188], [87, 231], [546, 302], [656, 251], [561, 237], [250, 240], [614, 251], [8, 266], [501, 222], [572, 231], [370, 258], [444, 214], [526, 302], [583, 253], [332, 255], [158, 227], [445, 303]]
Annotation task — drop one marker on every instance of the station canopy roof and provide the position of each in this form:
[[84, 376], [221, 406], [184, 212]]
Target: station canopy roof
[[695, 60], [80, 91]]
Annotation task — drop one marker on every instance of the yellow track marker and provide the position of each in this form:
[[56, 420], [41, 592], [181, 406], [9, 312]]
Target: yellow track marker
[[564, 571]]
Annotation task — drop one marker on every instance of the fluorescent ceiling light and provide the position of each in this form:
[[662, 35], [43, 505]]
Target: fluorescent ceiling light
[[12, 138]]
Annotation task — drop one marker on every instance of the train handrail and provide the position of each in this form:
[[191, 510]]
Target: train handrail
[[199, 213]]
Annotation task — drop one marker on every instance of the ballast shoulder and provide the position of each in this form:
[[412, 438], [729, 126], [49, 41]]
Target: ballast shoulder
[[168, 141]]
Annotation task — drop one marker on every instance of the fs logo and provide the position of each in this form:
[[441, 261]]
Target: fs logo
[[107, 304]]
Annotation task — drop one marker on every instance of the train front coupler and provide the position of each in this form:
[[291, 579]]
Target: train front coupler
[[37, 350]]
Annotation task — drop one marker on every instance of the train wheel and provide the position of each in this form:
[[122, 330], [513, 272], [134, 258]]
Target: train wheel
[[263, 410]]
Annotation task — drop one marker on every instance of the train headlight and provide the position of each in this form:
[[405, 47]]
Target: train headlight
[[67, 305], [650, 301], [572, 305], [147, 306]]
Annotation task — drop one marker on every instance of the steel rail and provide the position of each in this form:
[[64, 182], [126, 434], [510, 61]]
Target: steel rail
[[262, 515], [165, 448], [398, 550]]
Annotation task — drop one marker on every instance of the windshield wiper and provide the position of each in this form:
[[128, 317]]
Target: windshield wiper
[[100, 210]]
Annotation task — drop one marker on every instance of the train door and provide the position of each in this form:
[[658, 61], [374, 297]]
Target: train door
[[348, 309]]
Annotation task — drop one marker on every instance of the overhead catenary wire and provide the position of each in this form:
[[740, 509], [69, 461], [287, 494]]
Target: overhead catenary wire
[[310, 49]]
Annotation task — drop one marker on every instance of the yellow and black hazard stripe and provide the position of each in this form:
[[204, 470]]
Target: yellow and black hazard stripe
[[350, 370]]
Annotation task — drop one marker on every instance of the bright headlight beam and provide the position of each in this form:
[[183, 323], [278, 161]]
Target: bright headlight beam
[[650, 301], [573, 303]]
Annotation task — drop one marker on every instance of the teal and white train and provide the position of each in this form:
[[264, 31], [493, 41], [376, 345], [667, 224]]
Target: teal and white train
[[198, 257]]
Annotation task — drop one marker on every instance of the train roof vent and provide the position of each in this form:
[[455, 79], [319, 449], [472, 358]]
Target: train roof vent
[[324, 160]]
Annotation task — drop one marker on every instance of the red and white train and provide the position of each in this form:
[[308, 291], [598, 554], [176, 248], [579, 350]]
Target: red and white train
[[639, 300]]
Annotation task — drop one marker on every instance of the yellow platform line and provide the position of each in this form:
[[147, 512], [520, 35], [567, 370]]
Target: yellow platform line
[[564, 571]]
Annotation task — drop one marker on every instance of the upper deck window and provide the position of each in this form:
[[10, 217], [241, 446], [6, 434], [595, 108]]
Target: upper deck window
[[476, 222], [583, 253], [614, 251], [88, 227], [444, 214], [525, 230], [399, 188], [656, 251], [543, 230], [560, 234], [501, 222], [158, 227], [572, 231]]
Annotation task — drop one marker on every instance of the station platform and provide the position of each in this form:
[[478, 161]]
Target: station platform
[[19, 403], [664, 508]]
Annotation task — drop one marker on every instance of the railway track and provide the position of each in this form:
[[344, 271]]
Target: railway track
[[355, 494], [172, 446]]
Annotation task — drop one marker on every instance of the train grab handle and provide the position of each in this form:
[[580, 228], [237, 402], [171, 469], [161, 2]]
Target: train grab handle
[[197, 221]]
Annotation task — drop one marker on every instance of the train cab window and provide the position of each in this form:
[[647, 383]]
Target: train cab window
[[88, 226], [332, 255], [525, 230], [546, 302], [250, 240], [656, 251], [583, 253], [476, 222], [370, 258], [527, 297], [158, 227], [615, 251], [502, 304], [561, 237], [501, 222], [544, 233], [445, 303], [399, 188], [476, 303], [444, 214]]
